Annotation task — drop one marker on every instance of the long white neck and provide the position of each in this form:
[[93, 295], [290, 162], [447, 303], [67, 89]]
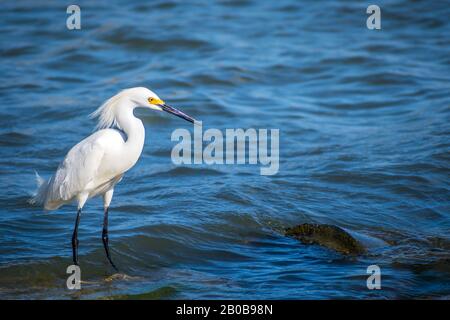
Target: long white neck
[[132, 126]]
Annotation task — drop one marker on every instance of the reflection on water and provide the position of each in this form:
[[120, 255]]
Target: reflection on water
[[363, 118]]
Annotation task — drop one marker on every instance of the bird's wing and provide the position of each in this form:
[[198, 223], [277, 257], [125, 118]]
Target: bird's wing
[[78, 169]]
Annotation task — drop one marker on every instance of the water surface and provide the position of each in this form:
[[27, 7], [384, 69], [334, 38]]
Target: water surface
[[364, 145]]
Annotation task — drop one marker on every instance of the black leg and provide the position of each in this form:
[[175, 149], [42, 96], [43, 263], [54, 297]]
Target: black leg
[[105, 238], [75, 239]]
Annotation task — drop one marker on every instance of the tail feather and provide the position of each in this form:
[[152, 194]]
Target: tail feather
[[40, 195]]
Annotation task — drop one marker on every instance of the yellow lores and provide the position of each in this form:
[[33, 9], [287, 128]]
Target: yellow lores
[[155, 101]]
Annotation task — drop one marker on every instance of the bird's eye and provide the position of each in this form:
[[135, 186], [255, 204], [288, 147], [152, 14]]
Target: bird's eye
[[151, 100]]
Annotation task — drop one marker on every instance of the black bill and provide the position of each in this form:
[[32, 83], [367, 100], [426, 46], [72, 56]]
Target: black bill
[[176, 112]]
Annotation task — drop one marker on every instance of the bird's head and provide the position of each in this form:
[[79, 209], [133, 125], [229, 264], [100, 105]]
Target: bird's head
[[146, 98]]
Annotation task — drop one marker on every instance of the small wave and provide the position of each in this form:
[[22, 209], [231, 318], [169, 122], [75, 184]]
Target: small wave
[[159, 293], [188, 171], [125, 38], [15, 139], [18, 51]]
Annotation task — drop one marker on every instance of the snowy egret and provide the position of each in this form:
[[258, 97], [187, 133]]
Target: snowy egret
[[96, 164]]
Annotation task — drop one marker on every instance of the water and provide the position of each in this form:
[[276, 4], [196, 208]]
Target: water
[[364, 144]]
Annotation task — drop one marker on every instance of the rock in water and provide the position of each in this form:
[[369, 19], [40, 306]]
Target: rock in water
[[328, 236]]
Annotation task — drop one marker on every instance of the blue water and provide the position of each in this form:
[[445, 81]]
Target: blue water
[[364, 145]]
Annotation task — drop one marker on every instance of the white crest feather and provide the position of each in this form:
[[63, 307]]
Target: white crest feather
[[106, 113]]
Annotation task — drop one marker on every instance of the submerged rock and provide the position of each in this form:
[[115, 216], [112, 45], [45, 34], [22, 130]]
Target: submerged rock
[[328, 236]]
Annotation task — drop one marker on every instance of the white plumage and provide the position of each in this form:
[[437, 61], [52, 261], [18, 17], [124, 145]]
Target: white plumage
[[87, 170], [97, 163]]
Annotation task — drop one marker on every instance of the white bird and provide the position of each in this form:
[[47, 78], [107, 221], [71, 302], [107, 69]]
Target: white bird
[[96, 164]]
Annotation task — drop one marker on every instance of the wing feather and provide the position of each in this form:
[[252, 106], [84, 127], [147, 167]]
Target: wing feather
[[76, 171]]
